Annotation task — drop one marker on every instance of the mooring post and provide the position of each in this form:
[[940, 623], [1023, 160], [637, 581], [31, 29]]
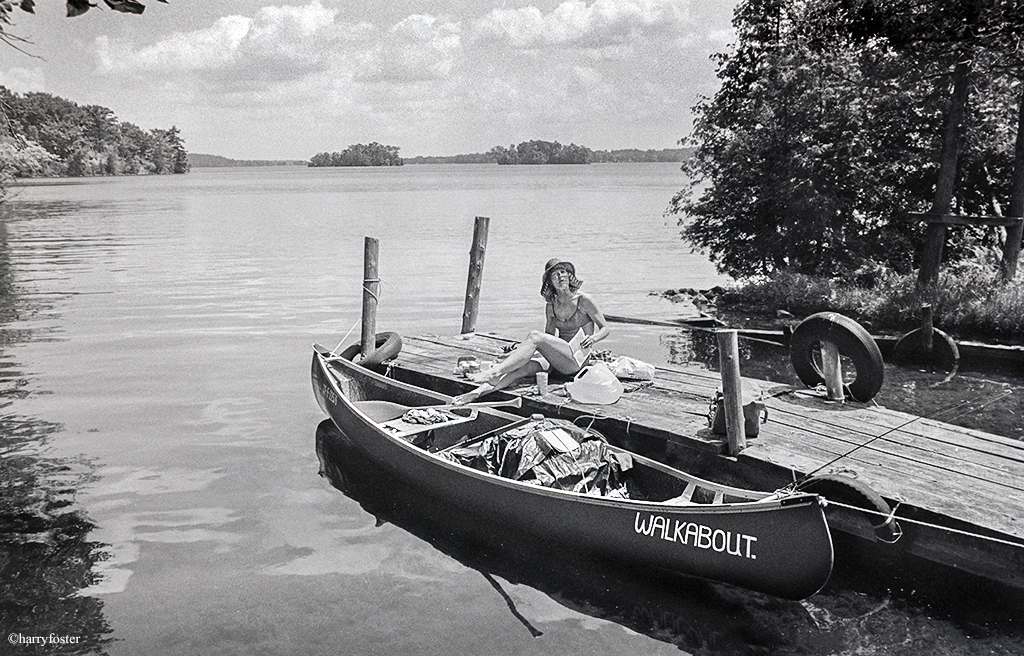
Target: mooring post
[[371, 289], [732, 389], [927, 329], [476, 274], [832, 371]]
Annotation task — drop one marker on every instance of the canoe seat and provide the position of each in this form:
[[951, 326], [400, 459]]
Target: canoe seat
[[388, 415], [683, 499]]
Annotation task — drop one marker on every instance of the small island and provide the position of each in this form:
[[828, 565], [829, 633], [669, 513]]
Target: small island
[[542, 152], [373, 154]]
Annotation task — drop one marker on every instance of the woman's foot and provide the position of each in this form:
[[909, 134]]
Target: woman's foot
[[483, 377], [469, 397]]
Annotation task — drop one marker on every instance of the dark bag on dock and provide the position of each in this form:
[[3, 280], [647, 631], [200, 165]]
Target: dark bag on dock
[[754, 414]]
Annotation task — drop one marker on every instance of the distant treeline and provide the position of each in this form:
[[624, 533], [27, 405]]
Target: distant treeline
[[492, 156], [43, 135], [199, 160], [373, 154]]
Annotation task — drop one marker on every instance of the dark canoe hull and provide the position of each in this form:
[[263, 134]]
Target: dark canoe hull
[[780, 546]]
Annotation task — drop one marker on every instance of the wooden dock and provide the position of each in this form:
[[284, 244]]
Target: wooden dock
[[958, 493]]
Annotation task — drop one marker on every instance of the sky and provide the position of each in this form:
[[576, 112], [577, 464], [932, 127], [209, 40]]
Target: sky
[[251, 79]]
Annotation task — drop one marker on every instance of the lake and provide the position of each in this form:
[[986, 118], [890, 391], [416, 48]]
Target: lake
[[162, 490]]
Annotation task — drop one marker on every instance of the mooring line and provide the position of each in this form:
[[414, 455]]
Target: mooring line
[[923, 523]]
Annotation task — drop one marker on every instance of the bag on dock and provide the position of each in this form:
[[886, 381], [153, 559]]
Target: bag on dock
[[632, 369], [596, 384], [754, 414]]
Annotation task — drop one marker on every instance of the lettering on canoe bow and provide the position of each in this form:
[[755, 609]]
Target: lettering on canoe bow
[[328, 393], [698, 536]]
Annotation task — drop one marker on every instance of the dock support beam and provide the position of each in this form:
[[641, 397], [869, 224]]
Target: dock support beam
[[927, 329], [732, 390], [371, 292], [832, 371], [476, 274]]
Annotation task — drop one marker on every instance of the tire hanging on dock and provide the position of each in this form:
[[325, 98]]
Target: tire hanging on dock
[[853, 492], [386, 346], [853, 342]]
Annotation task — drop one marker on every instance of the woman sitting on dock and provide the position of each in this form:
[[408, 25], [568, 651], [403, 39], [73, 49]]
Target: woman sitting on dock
[[568, 310]]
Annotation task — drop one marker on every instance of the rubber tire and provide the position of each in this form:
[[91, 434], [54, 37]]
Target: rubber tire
[[853, 342], [386, 347], [908, 351], [854, 492]]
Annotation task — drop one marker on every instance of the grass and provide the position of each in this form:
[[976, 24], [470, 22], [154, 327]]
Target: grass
[[969, 302]]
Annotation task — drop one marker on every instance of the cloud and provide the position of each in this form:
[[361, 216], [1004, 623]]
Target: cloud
[[23, 80], [418, 48], [277, 43], [576, 23]]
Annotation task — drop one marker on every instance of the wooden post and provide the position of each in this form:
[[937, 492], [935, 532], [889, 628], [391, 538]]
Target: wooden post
[[832, 371], [732, 389], [371, 290], [476, 274], [927, 329]]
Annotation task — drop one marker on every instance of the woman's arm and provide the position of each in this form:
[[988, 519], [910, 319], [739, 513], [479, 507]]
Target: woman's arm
[[601, 329], [549, 319]]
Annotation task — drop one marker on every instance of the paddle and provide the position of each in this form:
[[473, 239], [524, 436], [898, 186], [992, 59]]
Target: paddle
[[516, 402], [483, 436]]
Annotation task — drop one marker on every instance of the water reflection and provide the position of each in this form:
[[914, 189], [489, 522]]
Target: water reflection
[[45, 556], [46, 559]]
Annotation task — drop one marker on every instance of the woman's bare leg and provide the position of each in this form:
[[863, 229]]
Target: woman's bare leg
[[528, 369], [554, 349]]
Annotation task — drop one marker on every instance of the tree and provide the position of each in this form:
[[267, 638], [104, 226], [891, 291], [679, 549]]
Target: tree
[[86, 140], [828, 128]]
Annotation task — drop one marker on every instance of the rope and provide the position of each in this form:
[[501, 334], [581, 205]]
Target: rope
[[370, 291], [892, 516], [336, 348], [376, 297]]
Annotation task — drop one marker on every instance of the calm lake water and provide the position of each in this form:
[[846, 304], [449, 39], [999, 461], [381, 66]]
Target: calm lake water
[[158, 446]]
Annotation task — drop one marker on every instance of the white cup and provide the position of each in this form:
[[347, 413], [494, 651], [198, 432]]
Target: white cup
[[542, 382]]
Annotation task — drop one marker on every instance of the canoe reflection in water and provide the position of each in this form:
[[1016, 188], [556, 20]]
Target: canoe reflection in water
[[692, 613]]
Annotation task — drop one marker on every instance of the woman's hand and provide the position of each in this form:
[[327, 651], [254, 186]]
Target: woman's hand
[[587, 341]]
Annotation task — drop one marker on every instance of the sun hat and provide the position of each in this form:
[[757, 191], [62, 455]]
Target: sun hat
[[555, 263], [559, 263]]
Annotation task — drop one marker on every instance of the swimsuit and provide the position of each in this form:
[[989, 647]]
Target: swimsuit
[[568, 327]]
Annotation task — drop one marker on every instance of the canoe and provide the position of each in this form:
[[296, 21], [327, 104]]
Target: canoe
[[772, 542]]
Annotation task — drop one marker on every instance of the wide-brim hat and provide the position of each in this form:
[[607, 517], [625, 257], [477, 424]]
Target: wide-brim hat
[[555, 263]]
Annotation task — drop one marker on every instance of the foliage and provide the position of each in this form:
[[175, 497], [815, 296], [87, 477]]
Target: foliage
[[635, 155], [81, 140], [624, 155], [827, 130], [542, 152], [373, 154], [968, 302]]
